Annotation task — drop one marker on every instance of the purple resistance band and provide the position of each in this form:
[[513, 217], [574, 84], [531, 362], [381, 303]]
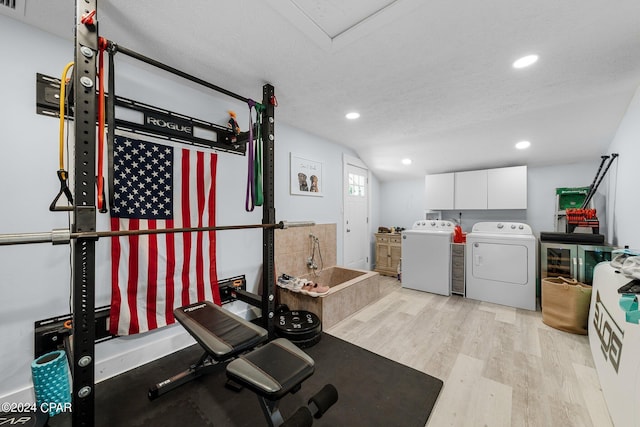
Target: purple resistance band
[[251, 190]]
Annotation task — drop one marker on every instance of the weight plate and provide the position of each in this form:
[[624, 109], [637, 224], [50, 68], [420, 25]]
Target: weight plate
[[308, 343], [299, 327]]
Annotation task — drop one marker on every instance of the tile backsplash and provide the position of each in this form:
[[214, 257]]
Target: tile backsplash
[[293, 246]]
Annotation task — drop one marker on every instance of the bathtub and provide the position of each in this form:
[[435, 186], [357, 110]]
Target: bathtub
[[350, 290]]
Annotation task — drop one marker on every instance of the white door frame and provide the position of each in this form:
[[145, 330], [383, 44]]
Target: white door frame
[[350, 160]]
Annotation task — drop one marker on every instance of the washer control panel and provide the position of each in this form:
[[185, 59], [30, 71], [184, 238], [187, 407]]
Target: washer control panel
[[502, 228], [434, 225]]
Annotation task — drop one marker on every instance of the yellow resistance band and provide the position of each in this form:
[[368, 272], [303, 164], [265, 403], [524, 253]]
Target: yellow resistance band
[[63, 84]]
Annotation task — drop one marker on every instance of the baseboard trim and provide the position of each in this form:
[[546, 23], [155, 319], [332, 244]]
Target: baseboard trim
[[117, 356]]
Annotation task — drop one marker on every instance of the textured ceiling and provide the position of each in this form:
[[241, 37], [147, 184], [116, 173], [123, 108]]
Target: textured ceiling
[[335, 17], [432, 80]]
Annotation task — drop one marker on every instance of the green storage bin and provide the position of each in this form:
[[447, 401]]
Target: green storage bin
[[571, 198]]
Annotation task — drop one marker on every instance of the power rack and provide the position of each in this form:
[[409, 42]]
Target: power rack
[[84, 210]]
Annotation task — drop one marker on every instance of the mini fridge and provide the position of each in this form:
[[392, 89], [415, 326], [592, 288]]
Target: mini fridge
[[572, 260]]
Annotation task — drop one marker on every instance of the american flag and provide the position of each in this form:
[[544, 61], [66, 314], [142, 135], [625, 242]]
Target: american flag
[[157, 186]]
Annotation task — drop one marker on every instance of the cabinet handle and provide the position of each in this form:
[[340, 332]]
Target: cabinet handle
[[574, 266], [580, 272]]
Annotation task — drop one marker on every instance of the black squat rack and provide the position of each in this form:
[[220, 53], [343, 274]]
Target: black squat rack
[[83, 233]]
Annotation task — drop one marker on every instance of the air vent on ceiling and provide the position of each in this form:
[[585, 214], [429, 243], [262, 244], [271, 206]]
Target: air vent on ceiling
[[8, 3]]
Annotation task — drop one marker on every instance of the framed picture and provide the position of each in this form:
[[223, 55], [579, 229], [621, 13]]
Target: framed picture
[[306, 176]]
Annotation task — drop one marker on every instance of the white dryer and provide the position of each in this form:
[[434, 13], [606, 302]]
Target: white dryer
[[426, 256], [501, 264]]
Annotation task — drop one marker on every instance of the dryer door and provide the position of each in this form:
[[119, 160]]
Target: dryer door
[[500, 262]]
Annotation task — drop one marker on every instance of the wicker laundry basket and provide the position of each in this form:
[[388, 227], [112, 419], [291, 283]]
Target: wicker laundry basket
[[565, 304]]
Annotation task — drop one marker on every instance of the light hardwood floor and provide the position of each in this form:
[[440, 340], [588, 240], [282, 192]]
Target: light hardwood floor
[[501, 366]]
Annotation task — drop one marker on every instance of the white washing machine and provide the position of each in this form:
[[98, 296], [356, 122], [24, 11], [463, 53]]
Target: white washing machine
[[500, 264], [426, 256]]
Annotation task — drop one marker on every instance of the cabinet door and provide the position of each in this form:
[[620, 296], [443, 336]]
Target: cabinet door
[[471, 190], [395, 253], [588, 258], [382, 254], [439, 190], [558, 259], [507, 188]]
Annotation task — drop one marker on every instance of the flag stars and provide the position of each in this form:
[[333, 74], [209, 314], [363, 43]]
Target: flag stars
[[143, 177]]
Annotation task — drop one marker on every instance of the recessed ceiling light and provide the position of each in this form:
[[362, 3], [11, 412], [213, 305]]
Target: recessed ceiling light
[[522, 145], [525, 61], [406, 161], [352, 116]]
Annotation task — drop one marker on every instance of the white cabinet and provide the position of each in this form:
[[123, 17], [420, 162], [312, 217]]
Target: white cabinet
[[507, 188], [439, 190], [470, 190], [501, 188]]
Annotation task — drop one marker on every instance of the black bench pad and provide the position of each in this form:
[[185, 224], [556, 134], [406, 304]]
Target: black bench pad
[[273, 369], [221, 333]]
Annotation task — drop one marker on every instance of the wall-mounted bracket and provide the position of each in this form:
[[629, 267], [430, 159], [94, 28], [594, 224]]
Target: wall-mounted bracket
[[137, 117]]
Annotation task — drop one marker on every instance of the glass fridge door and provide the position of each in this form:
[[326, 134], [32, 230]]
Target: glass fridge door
[[558, 260], [588, 258]]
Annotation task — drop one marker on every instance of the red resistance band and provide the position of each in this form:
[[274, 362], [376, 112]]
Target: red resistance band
[[102, 45]]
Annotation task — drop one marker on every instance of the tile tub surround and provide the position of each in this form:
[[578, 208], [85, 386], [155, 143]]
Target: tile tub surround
[[293, 248], [350, 290]]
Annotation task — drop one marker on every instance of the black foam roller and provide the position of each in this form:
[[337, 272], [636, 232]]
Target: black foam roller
[[324, 399], [302, 418]]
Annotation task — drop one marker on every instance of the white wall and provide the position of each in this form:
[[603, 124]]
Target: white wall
[[623, 204], [36, 278], [541, 192], [401, 203], [404, 200]]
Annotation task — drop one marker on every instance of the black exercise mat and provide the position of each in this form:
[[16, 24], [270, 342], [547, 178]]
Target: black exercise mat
[[373, 391]]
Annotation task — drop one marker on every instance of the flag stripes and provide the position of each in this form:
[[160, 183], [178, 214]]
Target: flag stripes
[[157, 186]]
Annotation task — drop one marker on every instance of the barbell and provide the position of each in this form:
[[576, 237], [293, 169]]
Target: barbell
[[63, 236]]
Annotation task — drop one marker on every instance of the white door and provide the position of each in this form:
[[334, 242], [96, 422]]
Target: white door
[[500, 262], [356, 214]]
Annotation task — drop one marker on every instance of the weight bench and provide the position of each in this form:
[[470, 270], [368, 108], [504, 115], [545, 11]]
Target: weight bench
[[222, 334], [271, 371]]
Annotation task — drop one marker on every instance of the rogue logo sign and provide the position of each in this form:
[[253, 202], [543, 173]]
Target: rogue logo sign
[[609, 333], [167, 124]]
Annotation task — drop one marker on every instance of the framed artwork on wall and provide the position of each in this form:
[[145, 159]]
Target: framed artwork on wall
[[306, 176]]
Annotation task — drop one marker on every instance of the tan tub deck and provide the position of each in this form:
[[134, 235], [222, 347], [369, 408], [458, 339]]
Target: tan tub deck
[[350, 290]]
